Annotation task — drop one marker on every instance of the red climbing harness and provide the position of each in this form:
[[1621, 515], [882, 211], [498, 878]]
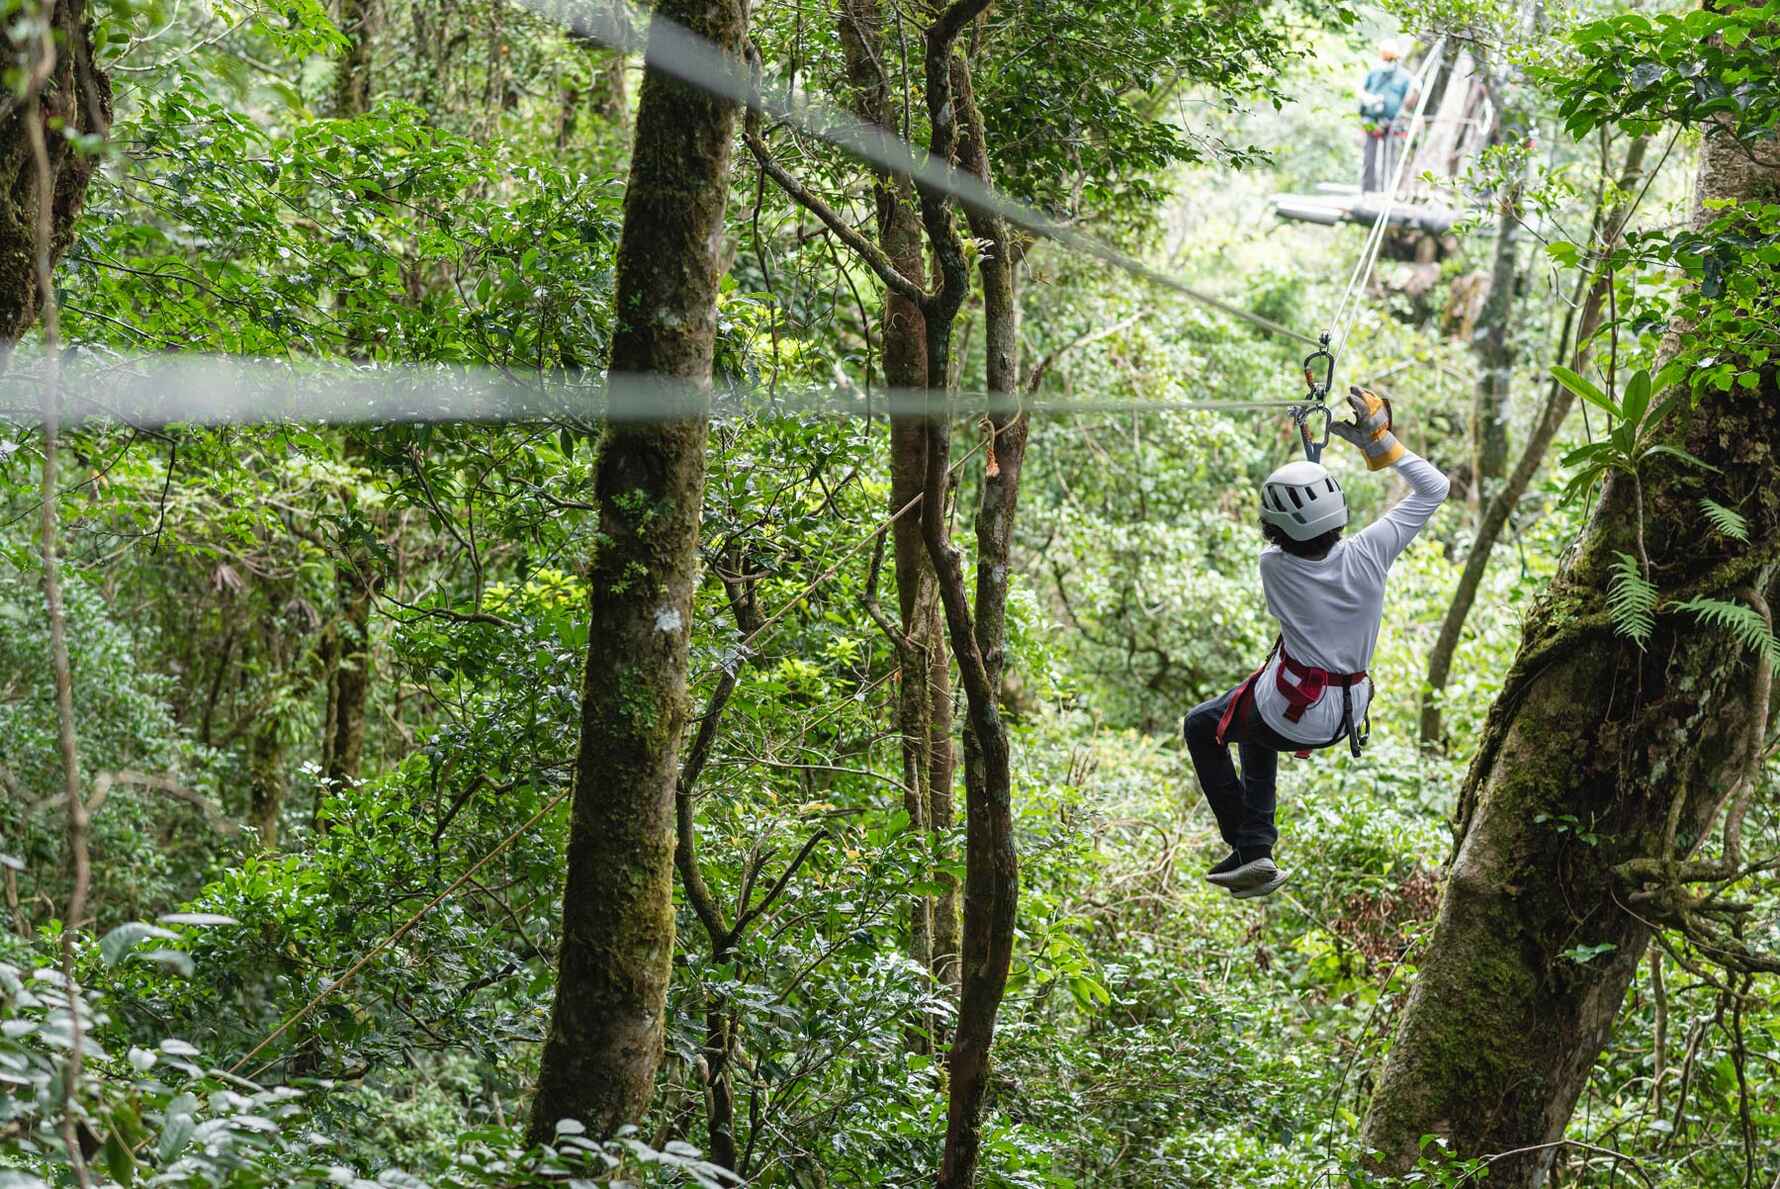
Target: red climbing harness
[[1302, 686]]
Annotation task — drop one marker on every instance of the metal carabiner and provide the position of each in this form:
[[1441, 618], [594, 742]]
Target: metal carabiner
[[1301, 415], [1319, 391]]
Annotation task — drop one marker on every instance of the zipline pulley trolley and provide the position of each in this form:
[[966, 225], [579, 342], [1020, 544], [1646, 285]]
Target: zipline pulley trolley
[[1318, 403]]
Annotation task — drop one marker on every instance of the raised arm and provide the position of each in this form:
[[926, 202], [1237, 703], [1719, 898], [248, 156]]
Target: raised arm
[[1388, 536], [1370, 430]]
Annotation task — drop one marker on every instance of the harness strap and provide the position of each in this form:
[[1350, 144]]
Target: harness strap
[[1303, 685], [1243, 690]]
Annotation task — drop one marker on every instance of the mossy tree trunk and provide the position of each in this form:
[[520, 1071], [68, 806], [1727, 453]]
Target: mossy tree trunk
[[76, 96], [606, 1028], [359, 21], [924, 705], [1586, 750]]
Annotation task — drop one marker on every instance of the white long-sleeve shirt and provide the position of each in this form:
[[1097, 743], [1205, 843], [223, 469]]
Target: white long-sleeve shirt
[[1329, 609]]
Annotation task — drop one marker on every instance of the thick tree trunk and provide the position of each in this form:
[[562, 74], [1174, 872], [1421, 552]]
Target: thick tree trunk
[[992, 877], [76, 97], [924, 709], [606, 1028], [1502, 503], [1585, 753]]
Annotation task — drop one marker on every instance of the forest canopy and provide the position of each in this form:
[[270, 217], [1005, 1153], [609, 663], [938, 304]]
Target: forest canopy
[[671, 594]]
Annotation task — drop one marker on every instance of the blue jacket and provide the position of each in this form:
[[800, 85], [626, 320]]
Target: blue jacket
[[1386, 88]]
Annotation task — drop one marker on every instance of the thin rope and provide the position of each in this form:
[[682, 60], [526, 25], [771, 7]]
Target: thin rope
[[672, 48], [1348, 307], [1375, 234]]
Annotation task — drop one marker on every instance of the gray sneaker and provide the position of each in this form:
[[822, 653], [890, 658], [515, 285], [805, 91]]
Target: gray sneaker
[[1264, 889], [1251, 874]]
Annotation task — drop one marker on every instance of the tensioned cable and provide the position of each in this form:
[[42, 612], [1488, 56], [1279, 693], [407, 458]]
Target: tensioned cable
[[1375, 235], [154, 390], [676, 50], [1347, 308]]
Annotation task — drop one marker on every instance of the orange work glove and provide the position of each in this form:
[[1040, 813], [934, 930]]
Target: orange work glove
[[1370, 429]]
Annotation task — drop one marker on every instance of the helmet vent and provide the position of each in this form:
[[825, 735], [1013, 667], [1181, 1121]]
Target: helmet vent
[[1296, 502]]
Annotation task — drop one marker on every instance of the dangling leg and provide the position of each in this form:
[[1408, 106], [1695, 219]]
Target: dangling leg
[[1211, 763], [1258, 875], [1256, 834]]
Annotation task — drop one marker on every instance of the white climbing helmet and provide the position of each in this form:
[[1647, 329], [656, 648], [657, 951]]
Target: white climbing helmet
[[1303, 500]]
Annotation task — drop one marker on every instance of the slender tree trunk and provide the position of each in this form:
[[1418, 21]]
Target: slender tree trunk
[[1493, 345], [611, 95], [1505, 1022], [606, 1028], [359, 22], [349, 671], [924, 708], [77, 97], [265, 765], [991, 882], [1502, 504], [350, 679]]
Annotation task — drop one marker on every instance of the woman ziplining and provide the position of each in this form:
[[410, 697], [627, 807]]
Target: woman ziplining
[[1327, 593]]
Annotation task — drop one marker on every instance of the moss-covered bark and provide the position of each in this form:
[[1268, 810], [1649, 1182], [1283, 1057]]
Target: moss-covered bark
[[76, 96], [1589, 744], [924, 711], [605, 1037]]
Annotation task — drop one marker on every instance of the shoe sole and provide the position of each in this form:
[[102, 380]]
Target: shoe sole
[[1246, 876], [1267, 889]]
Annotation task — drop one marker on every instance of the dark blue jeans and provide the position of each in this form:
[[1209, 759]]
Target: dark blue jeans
[[1243, 807]]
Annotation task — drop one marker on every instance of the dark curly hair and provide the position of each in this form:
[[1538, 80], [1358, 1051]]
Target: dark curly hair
[[1314, 549]]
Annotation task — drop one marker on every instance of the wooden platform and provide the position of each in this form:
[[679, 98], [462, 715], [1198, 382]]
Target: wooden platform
[[1330, 208]]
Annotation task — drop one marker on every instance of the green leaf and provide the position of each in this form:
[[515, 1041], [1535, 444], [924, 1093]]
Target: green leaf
[[1631, 601], [1587, 953], [1589, 453], [1584, 388], [1637, 396], [115, 944], [1742, 621], [1727, 522], [176, 1131], [201, 919], [177, 959], [120, 1162], [1683, 455]]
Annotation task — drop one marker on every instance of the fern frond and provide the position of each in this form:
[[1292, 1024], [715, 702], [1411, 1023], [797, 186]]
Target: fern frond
[[1742, 621], [1727, 521], [1631, 601]]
